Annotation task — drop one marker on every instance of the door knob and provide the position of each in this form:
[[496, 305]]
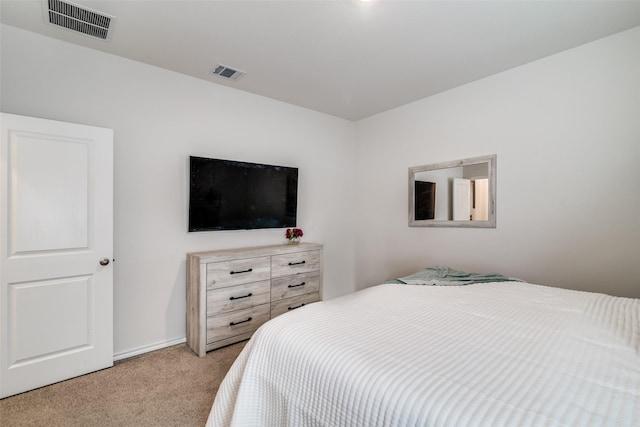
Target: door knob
[[104, 261]]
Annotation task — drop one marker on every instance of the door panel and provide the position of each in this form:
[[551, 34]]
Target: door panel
[[48, 174], [56, 215], [33, 331], [461, 199]]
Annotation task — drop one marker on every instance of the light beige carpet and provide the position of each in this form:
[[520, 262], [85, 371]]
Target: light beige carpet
[[168, 387]]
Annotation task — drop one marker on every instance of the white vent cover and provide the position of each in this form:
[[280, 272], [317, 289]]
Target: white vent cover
[[78, 18], [228, 72]]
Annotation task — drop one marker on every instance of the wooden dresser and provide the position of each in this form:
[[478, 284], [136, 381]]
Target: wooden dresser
[[230, 293]]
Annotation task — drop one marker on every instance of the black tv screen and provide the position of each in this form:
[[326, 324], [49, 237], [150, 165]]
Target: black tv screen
[[231, 195]]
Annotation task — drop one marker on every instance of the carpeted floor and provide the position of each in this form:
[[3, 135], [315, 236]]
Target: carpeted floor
[[168, 387]]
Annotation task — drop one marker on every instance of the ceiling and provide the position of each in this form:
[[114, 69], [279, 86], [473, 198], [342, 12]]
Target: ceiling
[[348, 58]]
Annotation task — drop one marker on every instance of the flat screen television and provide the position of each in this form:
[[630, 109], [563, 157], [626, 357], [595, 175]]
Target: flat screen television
[[232, 195], [425, 197]]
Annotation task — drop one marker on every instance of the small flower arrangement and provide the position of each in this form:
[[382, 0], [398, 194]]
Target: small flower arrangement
[[293, 235]]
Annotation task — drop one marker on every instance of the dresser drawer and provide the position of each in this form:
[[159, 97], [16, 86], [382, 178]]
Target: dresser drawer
[[291, 286], [237, 297], [288, 304], [299, 262], [236, 272], [236, 322]]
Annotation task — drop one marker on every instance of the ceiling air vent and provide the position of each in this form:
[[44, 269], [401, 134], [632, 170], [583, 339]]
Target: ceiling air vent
[[228, 73], [78, 18]]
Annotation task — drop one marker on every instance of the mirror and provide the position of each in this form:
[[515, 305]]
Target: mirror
[[461, 193]]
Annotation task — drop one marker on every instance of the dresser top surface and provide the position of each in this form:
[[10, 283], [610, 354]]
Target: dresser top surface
[[255, 251]]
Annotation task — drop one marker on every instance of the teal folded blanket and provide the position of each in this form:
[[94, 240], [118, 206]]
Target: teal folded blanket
[[445, 276]]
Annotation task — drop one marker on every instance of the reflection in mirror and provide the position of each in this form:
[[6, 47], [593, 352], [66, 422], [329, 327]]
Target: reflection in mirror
[[453, 194]]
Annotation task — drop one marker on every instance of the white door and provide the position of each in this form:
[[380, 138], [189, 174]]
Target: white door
[[461, 199], [56, 232]]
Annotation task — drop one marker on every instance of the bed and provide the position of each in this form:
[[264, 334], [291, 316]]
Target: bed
[[494, 353]]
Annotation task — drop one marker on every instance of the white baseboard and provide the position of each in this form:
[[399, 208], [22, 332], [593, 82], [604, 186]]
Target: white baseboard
[[148, 348]]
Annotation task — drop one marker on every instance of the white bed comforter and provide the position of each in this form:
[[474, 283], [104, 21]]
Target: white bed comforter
[[490, 354]]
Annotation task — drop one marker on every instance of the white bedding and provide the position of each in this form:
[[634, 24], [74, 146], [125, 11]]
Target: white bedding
[[488, 354]]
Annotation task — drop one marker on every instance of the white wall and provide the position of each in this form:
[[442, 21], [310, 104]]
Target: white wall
[[160, 118], [566, 131]]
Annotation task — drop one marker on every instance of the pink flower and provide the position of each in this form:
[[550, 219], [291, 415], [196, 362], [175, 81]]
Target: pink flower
[[293, 233]]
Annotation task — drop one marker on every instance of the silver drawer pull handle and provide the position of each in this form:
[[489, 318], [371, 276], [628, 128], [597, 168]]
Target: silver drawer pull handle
[[244, 296], [295, 286], [297, 263], [243, 271], [237, 323], [293, 308]]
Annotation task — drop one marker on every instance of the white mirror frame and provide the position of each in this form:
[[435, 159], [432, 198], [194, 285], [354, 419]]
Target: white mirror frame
[[489, 223]]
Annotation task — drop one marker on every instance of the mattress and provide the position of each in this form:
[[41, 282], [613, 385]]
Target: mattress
[[487, 354]]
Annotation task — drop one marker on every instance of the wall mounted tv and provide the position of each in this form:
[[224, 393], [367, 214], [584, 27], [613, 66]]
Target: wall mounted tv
[[231, 195]]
